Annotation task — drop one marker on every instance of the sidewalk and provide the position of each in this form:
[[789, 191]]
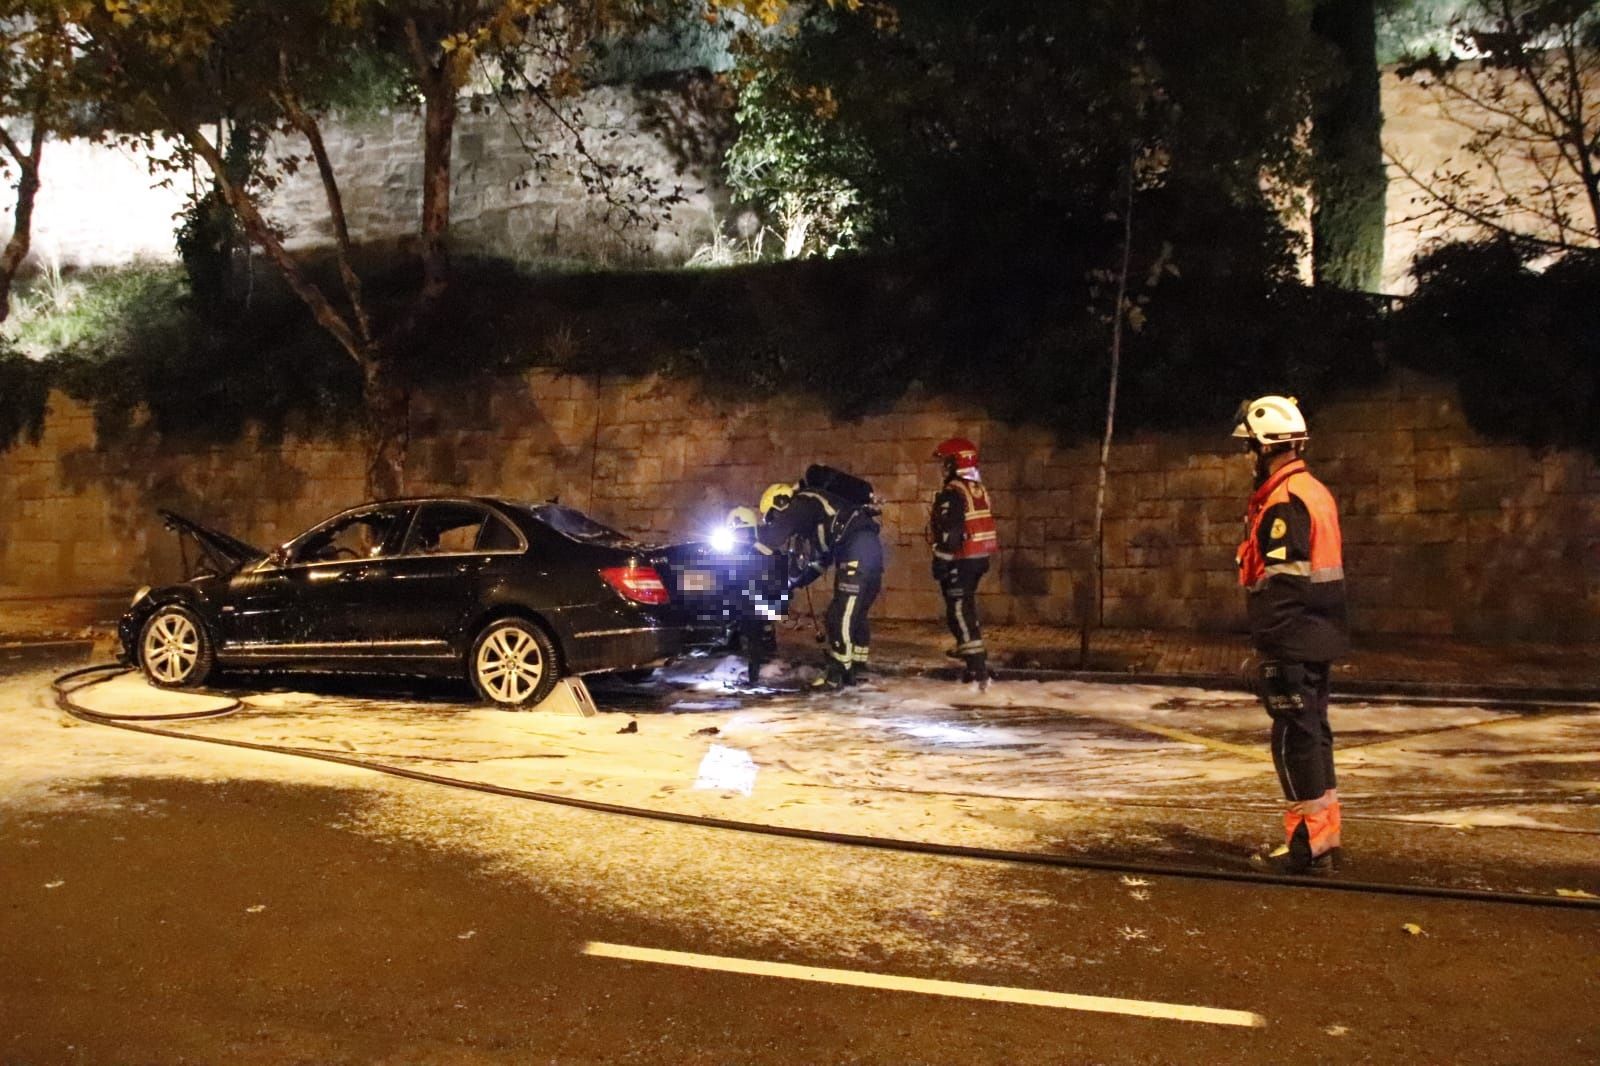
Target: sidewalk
[[32, 617], [1379, 663]]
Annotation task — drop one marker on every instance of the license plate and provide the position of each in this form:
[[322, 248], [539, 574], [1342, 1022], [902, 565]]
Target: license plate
[[699, 581]]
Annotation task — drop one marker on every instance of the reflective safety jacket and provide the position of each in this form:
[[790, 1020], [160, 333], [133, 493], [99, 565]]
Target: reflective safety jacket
[[961, 525], [819, 528], [1292, 565]]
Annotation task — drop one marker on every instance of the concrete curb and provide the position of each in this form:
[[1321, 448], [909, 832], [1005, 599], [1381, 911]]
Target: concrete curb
[[1520, 698]]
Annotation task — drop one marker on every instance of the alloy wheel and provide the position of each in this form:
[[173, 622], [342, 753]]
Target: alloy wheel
[[171, 648], [509, 664]]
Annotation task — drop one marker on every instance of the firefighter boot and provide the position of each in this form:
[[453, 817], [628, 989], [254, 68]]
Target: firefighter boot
[[977, 671], [835, 676], [1294, 857]]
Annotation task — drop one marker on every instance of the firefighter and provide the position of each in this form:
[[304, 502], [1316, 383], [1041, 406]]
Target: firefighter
[[1292, 568], [962, 532], [830, 518], [760, 594]]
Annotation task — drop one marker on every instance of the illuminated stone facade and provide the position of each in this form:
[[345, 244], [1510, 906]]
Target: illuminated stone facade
[[99, 205]]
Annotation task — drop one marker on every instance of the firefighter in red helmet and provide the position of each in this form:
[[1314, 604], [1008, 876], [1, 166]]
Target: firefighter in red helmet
[[962, 531], [1292, 567]]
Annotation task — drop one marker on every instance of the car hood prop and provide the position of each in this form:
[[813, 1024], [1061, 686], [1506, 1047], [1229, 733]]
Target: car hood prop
[[219, 553]]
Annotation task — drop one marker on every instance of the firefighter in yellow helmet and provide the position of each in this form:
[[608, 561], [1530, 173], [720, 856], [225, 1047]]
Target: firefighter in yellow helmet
[[830, 518], [1292, 567], [962, 532], [757, 592]]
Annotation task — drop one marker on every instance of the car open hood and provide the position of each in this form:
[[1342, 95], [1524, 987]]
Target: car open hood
[[223, 553]]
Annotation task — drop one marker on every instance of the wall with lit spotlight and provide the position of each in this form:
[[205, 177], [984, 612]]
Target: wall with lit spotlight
[[1445, 533], [100, 205], [517, 192]]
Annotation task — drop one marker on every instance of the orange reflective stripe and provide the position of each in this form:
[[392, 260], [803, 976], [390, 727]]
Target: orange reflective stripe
[[1327, 545]]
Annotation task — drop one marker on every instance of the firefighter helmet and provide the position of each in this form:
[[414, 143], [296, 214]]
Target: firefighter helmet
[[743, 518], [1271, 420], [958, 452], [776, 498]]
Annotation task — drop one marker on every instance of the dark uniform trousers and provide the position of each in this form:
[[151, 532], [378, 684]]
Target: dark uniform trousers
[[857, 579], [1296, 698], [958, 581]]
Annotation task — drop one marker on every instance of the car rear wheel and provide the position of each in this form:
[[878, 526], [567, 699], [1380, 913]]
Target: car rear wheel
[[513, 663], [174, 650]]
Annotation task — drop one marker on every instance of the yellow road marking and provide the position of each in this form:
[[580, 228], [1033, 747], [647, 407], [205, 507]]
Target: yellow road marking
[[1255, 754], [1182, 735], [993, 993]]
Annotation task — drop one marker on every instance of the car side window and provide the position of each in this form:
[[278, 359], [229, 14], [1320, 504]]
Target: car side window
[[361, 536], [497, 536], [446, 529]]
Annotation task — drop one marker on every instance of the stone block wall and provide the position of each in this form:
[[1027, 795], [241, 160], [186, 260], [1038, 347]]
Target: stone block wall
[[99, 205], [1445, 532]]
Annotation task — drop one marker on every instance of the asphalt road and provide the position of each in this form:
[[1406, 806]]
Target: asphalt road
[[250, 922], [251, 919]]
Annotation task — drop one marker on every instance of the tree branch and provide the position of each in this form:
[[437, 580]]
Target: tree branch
[[307, 125], [243, 205]]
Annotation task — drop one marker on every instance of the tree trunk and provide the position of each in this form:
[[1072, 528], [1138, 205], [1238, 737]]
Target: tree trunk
[[16, 249], [1350, 187], [388, 429], [438, 135], [1098, 617]]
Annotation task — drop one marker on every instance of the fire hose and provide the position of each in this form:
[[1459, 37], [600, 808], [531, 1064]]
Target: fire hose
[[66, 685]]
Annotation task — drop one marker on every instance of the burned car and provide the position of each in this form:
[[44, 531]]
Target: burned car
[[511, 595]]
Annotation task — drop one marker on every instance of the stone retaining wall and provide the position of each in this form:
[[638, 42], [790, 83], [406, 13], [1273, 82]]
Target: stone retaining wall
[[1445, 532]]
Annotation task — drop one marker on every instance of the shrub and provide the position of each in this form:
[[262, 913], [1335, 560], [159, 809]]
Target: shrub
[[1523, 344]]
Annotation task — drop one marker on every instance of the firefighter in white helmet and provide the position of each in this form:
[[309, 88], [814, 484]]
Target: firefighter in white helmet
[[1292, 567]]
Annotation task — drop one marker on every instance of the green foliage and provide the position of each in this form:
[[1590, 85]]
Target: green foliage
[[1522, 344], [209, 235], [1350, 182], [132, 346], [940, 124], [792, 158], [1413, 27], [54, 312], [24, 389]]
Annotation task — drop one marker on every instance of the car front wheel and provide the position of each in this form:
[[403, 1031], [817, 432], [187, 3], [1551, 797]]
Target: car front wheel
[[174, 650], [513, 663]]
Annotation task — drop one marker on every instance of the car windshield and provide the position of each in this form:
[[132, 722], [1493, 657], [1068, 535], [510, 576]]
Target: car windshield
[[579, 526]]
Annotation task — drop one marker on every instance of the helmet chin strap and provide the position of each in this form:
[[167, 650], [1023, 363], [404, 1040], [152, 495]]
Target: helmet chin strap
[[1265, 456]]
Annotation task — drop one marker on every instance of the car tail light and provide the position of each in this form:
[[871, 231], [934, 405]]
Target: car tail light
[[641, 584]]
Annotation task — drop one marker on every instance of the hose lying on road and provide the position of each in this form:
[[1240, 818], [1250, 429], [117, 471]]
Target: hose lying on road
[[75, 681]]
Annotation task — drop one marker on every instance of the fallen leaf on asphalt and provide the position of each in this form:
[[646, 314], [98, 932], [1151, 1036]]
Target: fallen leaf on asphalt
[[708, 731], [1134, 882], [468, 935], [1139, 894], [1128, 932], [1336, 1030], [1414, 929], [255, 908], [54, 884], [1576, 893], [631, 727]]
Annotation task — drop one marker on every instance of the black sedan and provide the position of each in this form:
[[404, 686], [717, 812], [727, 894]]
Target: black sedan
[[513, 595]]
